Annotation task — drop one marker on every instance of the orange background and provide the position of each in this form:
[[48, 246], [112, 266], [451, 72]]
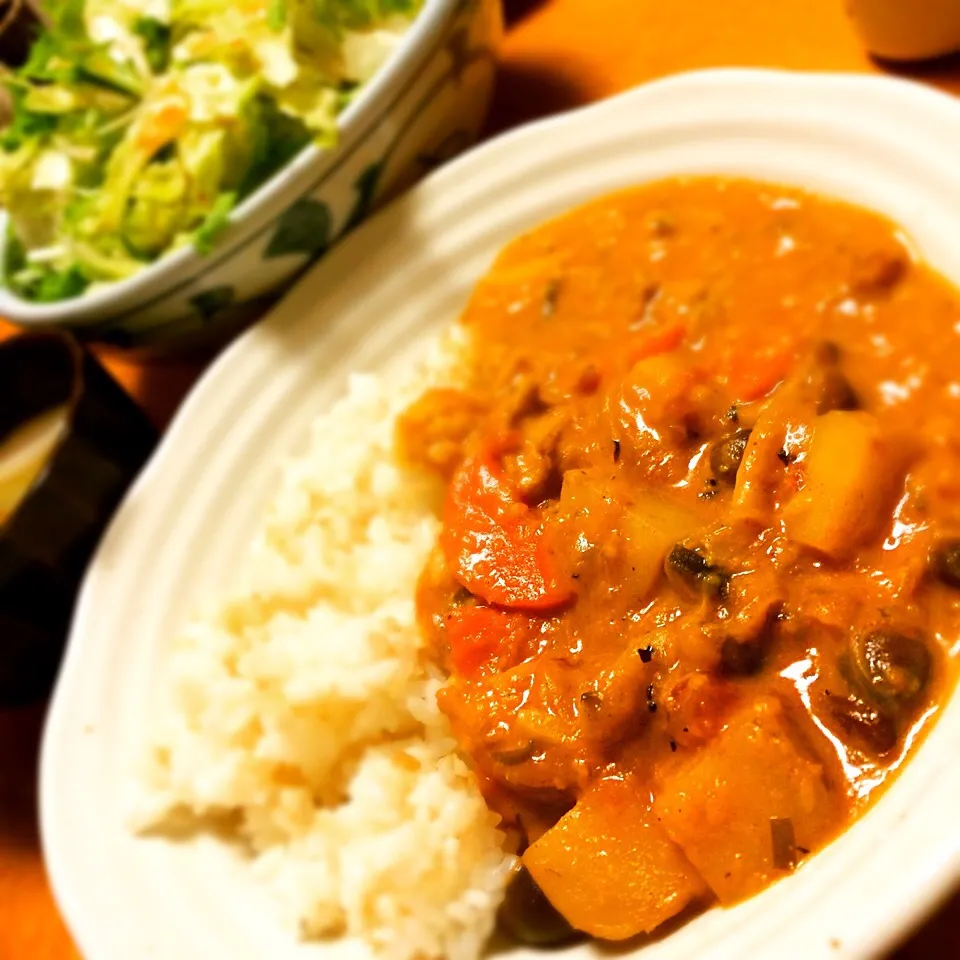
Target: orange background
[[558, 54]]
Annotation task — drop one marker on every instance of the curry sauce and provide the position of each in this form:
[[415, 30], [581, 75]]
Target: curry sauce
[[696, 589]]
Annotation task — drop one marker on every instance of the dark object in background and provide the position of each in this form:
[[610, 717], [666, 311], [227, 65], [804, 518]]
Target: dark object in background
[[528, 917], [19, 22], [516, 10], [47, 540]]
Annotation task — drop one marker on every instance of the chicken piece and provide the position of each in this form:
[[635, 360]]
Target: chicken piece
[[661, 405], [522, 725]]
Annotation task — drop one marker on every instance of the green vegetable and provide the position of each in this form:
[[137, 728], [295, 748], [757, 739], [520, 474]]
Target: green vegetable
[[58, 286], [277, 15], [215, 222], [26, 125], [156, 41], [132, 135]]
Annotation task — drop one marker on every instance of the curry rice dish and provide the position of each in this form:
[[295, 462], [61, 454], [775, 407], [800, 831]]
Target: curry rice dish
[[691, 588]]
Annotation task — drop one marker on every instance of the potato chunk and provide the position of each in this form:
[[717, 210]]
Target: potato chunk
[[652, 525], [845, 483], [607, 866], [645, 526], [749, 804]]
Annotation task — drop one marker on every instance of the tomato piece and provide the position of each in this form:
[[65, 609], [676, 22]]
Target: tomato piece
[[484, 638], [660, 339], [494, 542]]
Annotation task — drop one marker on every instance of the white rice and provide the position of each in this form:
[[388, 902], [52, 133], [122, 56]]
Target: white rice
[[301, 707]]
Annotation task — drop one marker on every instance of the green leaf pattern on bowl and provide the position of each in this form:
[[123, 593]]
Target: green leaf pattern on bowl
[[303, 228], [213, 301]]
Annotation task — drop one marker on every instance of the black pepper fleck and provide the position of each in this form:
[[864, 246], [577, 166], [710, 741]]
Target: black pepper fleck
[[646, 655], [673, 746], [616, 450], [784, 457], [549, 306]]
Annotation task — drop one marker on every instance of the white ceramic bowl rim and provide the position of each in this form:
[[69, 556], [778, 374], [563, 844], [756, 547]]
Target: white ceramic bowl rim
[[933, 867], [178, 268]]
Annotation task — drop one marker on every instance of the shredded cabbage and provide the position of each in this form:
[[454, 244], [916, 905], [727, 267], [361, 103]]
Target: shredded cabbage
[[139, 124]]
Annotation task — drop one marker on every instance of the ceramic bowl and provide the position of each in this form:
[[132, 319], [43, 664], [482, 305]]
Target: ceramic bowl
[[424, 106], [399, 278]]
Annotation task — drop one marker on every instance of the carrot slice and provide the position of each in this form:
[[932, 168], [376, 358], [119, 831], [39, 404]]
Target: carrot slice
[[483, 639], [494, 542], [755, 374], [660, 339], [163, 123]]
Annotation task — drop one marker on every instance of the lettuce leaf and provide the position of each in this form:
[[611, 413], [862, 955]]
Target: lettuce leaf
[[136, 130], [56, 285], [360, 14], [156, 42], [215, 222], [277, 15]]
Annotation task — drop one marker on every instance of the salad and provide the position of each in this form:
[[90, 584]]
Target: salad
[[138, 125]]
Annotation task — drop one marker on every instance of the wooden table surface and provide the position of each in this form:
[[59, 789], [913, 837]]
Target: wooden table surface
[[558, 54]]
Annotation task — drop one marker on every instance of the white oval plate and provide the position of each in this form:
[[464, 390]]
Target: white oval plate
[[884, 143]]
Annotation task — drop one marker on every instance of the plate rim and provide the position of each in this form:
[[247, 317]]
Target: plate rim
[[943, 870]]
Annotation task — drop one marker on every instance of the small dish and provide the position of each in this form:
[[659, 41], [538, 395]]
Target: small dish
[[425, 105], [87, 440], [882, 143]]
